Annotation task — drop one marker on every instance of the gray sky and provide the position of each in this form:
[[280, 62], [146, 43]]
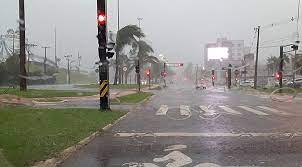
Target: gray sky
[[176, 28]]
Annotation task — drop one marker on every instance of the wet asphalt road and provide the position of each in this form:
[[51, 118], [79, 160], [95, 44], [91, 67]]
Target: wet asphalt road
[[181, 126]]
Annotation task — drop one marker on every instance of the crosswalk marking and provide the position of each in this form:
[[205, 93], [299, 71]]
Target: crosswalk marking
[[273, 110], [162, 110], [253, 110], [207, 111], [184, 110], [229, 110]]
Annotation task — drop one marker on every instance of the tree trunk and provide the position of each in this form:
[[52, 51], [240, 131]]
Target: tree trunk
[[119, 76], [126, 77]]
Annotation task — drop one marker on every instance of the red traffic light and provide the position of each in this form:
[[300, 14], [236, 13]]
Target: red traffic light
[[163, 74], [101, 18], [148, 72], [213, 77], [277, 75], [180, 64]]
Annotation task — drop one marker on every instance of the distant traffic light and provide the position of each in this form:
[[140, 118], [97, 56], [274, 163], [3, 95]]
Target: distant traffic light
[[295, 47], [180, 64], [213, 77], [278, 76], [148, 72], [137, 70]]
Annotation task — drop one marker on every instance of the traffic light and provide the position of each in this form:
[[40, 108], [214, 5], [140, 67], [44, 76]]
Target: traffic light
[[278, 76], [102, 21], [137, 69], [213, 75], [148, 72], [180, 64], [295, 47], [109, 52]]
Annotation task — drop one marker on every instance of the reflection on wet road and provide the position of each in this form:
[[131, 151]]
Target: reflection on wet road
[[216, 127]]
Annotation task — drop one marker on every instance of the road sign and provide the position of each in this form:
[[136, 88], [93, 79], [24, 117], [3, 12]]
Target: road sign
[[125, 69]]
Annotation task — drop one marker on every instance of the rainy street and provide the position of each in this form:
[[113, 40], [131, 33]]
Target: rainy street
[[181, 126]]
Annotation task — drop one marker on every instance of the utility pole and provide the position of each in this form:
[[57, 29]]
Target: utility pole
[[165, 74], [79, 61], [117, 71], [45, 57], [196, 76], [139, 21], [23, 83], [56, 59], [257, 55], [68, 68]]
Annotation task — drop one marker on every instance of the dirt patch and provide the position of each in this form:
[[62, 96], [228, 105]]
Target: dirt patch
[[14, 100]]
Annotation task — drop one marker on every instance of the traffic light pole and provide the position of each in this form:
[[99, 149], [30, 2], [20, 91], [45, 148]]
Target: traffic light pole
[[281, 67], [165, 73], [102, 50], [229, 76], [138, 76], [150, 81]]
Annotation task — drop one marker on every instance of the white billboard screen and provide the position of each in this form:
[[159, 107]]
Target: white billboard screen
[[218, 53]]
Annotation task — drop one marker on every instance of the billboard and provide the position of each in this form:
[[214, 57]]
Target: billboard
[[218, 53]]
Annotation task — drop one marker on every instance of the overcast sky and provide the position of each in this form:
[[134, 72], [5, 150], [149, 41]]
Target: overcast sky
[[176, 28]]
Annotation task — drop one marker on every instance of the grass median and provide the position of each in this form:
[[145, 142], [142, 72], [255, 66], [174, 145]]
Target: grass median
[[132, 98], [31, 93], [119, 86], [29, 135]]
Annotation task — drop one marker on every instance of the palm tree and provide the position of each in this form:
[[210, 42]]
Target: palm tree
[[274, 62], [125, 37]]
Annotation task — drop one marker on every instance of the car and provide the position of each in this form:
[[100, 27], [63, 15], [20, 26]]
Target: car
[[297, 84], [283, 80], [247, 83]]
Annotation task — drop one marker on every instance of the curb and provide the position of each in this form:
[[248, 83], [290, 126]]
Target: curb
[[48, 103], [65, 154]]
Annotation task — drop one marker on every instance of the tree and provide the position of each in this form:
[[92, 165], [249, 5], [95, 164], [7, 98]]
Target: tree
[[188, 72], [273, 63], [125, 37]]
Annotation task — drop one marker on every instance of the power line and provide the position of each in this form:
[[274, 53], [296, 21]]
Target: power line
[[283, 22]]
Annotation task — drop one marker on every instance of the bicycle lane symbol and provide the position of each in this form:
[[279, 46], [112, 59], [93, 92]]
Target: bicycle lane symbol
[[175, 158]]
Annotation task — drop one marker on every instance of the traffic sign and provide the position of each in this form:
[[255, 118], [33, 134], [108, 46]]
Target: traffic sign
[[125, 69]]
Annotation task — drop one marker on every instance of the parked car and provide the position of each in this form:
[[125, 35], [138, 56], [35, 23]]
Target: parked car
[[297, 84], [284, 81], [247, 83]]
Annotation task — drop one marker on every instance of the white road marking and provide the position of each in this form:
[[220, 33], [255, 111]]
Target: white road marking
[[253, 110], [179, 159], [178, 134], [273, 110], [175, 147], [206, 110], [229, 110], [162, 110], [184, 110]]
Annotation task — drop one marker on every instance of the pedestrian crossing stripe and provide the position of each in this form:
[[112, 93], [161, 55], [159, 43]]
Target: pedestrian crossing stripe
[[185, 110], [253, 110], [273, 110], [104, 88], [229, 110]]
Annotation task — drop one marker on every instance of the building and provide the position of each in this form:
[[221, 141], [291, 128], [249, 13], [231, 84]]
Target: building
[[223, 52]]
